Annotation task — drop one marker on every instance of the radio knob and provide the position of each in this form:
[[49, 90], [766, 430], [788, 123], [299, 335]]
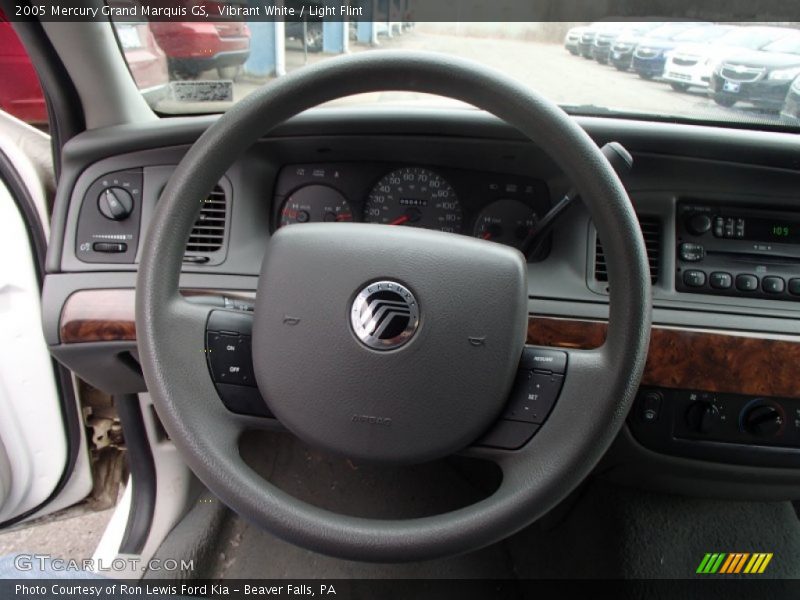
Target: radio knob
[[698, 223], [764, 419], [702, 417]]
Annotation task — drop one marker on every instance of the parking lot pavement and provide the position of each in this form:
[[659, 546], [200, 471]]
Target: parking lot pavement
[[72, 534], [548, 68]]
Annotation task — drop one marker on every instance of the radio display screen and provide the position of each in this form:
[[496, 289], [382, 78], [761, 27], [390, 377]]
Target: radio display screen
[[773, 230]]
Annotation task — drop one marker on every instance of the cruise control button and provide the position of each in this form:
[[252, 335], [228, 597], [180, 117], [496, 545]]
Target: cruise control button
[[694, 278], [720, 280], [543, 359], [229, 321], [773, 285], [230, 359], [794, 287], [533, 396], [746, 283]]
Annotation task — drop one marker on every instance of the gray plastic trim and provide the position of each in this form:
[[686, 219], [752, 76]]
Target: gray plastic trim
[[95, 64]]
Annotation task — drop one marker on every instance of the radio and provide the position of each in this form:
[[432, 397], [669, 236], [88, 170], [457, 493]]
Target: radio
[[732, 251]]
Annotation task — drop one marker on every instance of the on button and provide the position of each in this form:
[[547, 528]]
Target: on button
[[230, 359]]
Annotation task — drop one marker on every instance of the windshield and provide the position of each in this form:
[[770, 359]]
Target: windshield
[[752, 38], [670, 30], [702, 34], [206, 67]]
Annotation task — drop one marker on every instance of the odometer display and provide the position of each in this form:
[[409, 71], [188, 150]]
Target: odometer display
[[415, 197]]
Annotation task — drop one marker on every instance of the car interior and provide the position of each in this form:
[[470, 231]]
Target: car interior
[[484, 338]]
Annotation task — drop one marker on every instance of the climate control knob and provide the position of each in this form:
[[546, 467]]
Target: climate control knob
[[763, 418], [702, 417]]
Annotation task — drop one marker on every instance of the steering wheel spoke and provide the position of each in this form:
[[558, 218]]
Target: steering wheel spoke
[[547, 381], [192, 380]]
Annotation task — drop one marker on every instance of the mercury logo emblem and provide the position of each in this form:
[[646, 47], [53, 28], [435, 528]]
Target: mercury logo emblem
[[385, 315]]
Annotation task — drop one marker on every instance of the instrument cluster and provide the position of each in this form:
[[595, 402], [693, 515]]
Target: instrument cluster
[[491, 206]]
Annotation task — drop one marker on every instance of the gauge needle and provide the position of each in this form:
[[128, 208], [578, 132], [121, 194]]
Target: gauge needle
[[400, 220], [486, 235], [344, 217]]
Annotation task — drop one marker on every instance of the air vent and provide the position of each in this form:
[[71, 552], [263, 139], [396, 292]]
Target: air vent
[[208, 233], [651, 230]]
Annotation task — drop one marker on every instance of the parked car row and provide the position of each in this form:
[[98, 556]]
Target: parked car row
[[756, 64]]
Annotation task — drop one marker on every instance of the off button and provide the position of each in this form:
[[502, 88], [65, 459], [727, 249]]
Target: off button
[[230, 359]]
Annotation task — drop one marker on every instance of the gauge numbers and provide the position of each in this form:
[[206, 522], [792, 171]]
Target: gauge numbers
[[415, 197]]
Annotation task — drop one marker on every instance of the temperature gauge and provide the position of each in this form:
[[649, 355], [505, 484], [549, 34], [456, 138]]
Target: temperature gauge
[[315, 203], [505, 221]]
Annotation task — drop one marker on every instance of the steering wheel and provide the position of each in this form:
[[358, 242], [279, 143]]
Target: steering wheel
[[410, 339]]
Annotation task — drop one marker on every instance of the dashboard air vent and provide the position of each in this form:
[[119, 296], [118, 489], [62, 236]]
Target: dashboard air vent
[[651, 231], [208, 233]]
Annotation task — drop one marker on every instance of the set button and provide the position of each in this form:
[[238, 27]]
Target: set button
[[794, 287]]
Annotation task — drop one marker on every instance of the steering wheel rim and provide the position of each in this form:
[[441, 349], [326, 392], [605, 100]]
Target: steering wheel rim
[[536, 477]]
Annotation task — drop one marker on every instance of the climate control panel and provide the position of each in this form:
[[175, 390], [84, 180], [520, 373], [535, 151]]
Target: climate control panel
[[717, 426]]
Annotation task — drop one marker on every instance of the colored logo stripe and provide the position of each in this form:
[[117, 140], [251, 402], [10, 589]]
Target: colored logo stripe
[[758, 563], [733, 563], [710, 563]]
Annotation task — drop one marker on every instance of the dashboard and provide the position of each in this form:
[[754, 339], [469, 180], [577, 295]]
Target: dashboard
[[492, 206], [719, 408]]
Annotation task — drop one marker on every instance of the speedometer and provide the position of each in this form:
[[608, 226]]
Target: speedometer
[[415, 197]]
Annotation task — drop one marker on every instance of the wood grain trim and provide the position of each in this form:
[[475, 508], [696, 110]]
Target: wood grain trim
[[693, 359], [678, 358], [108, 315], [98, 316]]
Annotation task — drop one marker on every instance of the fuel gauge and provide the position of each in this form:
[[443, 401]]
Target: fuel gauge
[[315, 203], [506, 222]]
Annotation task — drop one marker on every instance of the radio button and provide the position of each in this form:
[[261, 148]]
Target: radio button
[[730, 226], [720, 280], [694, 278], [691, 252], [773, 285], [740, 228], [794, 287], [719, 227], [746, 283]]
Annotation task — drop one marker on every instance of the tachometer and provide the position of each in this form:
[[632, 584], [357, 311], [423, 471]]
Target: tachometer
[[505, 221], [315, 203], [415, 197]]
